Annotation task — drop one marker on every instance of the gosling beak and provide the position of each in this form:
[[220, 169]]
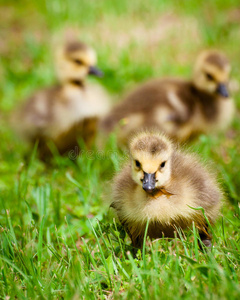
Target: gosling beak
[[95, 71], [149, 182], [222, 90]]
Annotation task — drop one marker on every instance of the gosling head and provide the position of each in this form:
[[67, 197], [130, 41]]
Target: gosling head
[[151, 160], [211, 73], [75, 61]]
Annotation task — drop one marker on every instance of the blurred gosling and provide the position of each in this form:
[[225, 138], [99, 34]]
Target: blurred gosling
[[180, 108], [163, 185], [68, 111]]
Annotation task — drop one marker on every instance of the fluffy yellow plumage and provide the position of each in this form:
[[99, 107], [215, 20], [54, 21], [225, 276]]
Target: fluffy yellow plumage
[[162, 184], [68, 111]]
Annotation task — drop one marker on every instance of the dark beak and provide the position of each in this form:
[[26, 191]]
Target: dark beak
[[222, 90], [149, 182], [95, 71]]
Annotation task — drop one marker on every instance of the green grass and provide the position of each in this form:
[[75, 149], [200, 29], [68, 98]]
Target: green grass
[[58, 238]]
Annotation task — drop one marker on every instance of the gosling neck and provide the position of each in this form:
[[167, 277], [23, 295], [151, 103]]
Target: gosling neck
[[79, 83]]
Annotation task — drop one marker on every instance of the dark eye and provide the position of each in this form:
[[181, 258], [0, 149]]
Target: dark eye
[[137, 163], [78, 61], [209, 76], [163, 164]]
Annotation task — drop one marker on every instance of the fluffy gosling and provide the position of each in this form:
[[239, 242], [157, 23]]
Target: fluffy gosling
[[68, 111], [180, 108], [163, 184]]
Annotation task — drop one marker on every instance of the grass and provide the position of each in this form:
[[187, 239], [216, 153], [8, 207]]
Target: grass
[[58, 239]]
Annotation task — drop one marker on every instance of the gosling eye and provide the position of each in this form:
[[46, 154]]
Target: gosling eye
[[209, 77], [78, 61], [163, 164], [137, 163]]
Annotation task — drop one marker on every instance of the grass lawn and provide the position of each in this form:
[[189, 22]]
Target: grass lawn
[[58, 239]]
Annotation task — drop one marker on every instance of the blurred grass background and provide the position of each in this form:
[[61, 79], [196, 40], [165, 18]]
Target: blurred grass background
[[57, 238]]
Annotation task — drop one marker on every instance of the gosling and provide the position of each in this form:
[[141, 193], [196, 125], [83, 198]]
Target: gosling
[[182, 109], [64, 113], [163, 185]]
